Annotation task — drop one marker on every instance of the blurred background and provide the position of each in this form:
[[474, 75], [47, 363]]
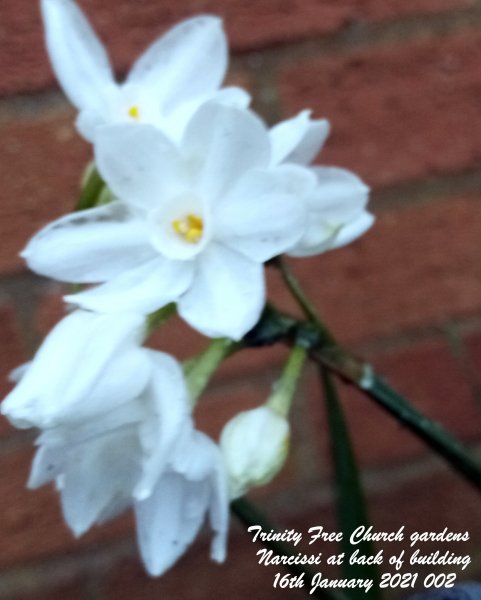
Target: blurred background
[[400, 81]]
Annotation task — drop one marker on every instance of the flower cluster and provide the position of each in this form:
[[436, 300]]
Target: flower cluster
[[198, 194]]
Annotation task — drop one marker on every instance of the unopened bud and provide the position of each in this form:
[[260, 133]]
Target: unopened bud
[[254, 444]]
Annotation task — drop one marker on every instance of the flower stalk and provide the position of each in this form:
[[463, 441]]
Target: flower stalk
[[255, 443], [199, 370], [281, 398], [327, 352], [159, 317], [301, 298]]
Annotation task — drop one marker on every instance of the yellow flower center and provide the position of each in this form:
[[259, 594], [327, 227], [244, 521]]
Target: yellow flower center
[[134, 112], [190, 228]]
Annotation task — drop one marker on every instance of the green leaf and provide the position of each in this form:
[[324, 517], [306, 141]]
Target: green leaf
[[350, 503]]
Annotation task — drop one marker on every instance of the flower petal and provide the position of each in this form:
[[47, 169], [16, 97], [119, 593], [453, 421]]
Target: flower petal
[[78, 58], [339, 195], [232, 96], [318, 237], [97, 474], [175, 122], [140, 165], [89, 246], [298, 140], [127, 413], [219, 512], [47, 464], [101, 345], [88, 121], [190, 60], [17, 374], [262, 217], [198, 458], [143, 289], [120, 381], [224, 142], [338, 200], [169, 520], [227, 294], [353, 230], [195, 455], [169, 398]]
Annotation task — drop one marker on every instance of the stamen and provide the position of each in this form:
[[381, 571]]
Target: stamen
[[134, 112], [190, 228]]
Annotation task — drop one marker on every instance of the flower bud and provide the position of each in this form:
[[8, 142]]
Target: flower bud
[[254, 444]]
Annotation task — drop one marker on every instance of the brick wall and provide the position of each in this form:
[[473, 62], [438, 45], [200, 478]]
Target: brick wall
[[401, 83]]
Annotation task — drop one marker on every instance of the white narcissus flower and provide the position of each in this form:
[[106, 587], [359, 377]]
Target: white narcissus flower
[[98, 475], [192, 486], [337, 212], [336, 206], [254, 445], [85, 358], [143, 453], [193, 223], [175, 75]]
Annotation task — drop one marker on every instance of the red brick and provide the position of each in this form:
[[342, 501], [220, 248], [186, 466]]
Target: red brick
[[430, 379], [127, 26], [473, 346], [32, 526], [39, 591], [12, 354], [417, 267], [51, 310], [399, 111], [425, 503], [44, 160], [431, 503]]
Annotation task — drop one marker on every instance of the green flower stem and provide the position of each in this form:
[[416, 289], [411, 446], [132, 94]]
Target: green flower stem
[[298, 294], [281, 399], [200, 369], [371, 384], [92, 187], [431, 432], [249, 515], [350, 502], [159, 317], [328, 353]]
